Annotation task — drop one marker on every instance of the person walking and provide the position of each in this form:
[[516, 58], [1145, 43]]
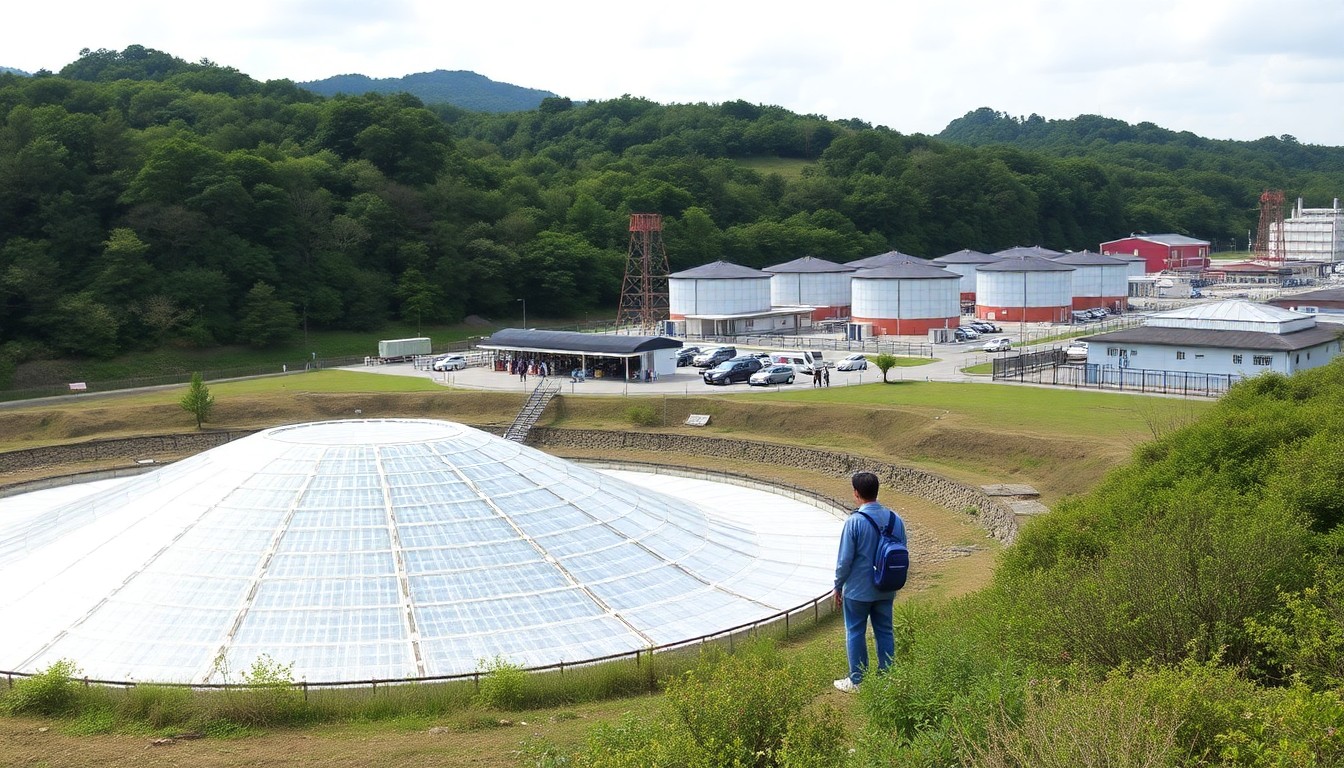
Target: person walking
[[826, 376], [854, 593]]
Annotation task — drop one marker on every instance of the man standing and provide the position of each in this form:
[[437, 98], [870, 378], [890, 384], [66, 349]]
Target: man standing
[[854, 590]]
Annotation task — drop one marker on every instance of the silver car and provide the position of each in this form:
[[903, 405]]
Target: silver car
[[772, 374], [855, 362]]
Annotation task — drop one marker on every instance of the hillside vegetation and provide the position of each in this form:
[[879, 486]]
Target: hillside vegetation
[[465, 90], [147, 201]]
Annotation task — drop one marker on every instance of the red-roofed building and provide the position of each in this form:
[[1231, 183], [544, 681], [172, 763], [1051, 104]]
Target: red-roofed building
[[1161, 252]]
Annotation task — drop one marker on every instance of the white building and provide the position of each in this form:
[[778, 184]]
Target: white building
[[810, 282], [725, 299], [1235, 338], [1314, 234]]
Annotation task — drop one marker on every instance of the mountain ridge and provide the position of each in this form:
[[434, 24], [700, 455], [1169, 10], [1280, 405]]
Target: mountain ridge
[[460, 88]]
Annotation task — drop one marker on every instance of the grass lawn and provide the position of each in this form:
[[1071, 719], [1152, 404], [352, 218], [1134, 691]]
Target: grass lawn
[[1017, 408], [788, 167]]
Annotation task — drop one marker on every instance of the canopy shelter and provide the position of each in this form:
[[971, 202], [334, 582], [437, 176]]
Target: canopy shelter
[[655, 354]]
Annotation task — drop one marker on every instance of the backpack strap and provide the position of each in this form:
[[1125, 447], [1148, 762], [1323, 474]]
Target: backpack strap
[[891, 524]]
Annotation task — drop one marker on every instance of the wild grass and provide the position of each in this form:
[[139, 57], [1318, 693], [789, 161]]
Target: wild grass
[[789, 168]]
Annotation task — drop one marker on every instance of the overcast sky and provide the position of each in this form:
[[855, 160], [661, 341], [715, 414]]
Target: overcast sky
[[1229, 69]]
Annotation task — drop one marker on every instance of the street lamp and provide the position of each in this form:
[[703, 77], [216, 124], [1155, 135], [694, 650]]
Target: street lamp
[[524, 301]]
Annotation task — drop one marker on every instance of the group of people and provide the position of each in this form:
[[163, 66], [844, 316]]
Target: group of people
[[821, 376], [523, 367]]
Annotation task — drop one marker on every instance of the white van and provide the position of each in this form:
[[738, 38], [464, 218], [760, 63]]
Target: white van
[[803, 361]]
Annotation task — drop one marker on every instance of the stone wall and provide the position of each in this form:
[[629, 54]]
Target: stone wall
[[996, 517]]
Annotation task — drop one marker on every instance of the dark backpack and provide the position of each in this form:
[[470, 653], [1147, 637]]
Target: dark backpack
[[891, 562]]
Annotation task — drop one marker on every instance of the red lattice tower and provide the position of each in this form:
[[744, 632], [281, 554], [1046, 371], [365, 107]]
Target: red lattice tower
[[1269, 246], [644, 299]]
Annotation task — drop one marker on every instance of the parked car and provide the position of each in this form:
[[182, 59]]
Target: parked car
[[971, 333], [802, 360], [1097, 314], [1001, 344], [686, 356], [733, 371], [1076, 351], [854, 362], [983, 326], [712, 357], [772, 374], [959, 334], [449, 363]]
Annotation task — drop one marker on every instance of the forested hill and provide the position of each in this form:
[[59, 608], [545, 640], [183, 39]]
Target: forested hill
[[1144, 144], [12, 71], [145, 201], [466, 90]]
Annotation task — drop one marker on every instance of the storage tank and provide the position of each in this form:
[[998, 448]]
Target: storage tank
[[888, 259], [1135, 265], [1024, 289], [905, 299], [964, 263], [719, 288], [811, 282], [1098, 281], [1019, 251]]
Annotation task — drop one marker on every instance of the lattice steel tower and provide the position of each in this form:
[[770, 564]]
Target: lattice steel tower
[[644, 300], [1269, 246]]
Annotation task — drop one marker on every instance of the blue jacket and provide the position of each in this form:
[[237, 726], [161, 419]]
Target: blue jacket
[[858, 544]]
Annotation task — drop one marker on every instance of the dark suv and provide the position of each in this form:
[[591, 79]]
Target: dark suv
[[687, 356], [733, 371], [712, 357]]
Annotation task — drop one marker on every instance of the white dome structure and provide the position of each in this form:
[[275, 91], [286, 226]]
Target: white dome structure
[[1024, 288], [388, 549], [811, 282], [719, 288], [906, 299], [1098, 281]]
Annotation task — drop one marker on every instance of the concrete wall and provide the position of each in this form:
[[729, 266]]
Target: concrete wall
[[996, 517]]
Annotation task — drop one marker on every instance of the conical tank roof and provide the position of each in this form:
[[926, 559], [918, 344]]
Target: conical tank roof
[[383, 549]]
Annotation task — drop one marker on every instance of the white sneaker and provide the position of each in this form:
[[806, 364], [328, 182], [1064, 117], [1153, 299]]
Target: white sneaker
[[846, 685]]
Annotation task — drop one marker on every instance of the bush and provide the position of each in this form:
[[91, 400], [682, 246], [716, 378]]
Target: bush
[[266, 696], [503, 684], [159, 706], [643, 416], [1287, 727], [1111, 724], [748, 709], [52, 691]]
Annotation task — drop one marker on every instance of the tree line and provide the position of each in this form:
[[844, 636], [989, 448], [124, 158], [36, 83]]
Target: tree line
[[145, 200]]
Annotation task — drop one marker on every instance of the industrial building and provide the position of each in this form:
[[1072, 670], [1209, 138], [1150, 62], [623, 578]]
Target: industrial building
[[888, 259], [905, 299], [1326, 304], [1314, 234], [395, 549], [1175, 252], [811, 282], [1235, 338]]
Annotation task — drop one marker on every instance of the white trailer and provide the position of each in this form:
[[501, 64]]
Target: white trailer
[[401, 350]]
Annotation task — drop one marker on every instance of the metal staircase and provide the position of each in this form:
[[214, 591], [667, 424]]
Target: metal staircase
[[532, 410]]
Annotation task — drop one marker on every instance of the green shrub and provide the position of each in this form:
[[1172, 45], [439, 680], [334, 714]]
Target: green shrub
[[267, 695], [1287, 727], [1305, 636], [52, 691], [643, 416], [158, 706], [1111, 724], [503, 684]]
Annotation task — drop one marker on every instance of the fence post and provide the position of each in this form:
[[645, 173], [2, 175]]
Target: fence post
[[305, 690]]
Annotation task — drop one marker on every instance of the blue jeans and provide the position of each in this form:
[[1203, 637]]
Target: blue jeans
[[858, 614]]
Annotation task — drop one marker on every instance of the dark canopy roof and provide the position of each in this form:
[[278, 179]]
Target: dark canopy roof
[[809, 264], [906, 272], [718, 270], [1025, 264], [890, 258], [572, 342], [966, 256]]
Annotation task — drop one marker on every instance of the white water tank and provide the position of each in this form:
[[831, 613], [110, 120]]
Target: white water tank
[[719, 288], [906, 299], [811, 282], [964, 263], [1026, 288], [1098, 281]]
